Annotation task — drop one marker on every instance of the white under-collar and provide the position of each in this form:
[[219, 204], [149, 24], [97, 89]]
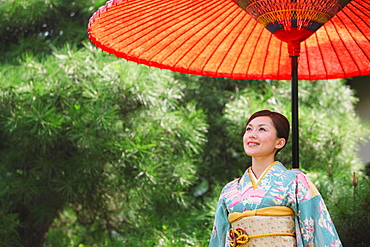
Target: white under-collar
[[253, 177]]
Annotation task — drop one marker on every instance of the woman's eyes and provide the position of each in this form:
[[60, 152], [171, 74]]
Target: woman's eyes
[[259, 129]]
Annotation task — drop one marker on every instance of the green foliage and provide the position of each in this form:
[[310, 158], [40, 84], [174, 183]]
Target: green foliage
[[352, 212], [348, 197], [34, 27], [109, 140], [223, 156], [8, 221]]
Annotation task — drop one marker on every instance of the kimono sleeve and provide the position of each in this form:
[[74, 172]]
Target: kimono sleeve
[[314, 226], [221, 225]]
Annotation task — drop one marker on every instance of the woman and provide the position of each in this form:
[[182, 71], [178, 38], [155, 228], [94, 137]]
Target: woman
[[270, 205]]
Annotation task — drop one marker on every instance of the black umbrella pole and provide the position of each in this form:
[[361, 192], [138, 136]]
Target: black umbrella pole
[[295, 127]]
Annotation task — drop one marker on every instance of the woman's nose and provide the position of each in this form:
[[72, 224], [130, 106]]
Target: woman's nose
[[252, 135]]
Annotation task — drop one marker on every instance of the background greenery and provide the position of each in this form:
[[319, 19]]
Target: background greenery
[[98, 151]]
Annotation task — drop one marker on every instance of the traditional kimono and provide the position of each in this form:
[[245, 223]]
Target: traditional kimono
[[277, 188]]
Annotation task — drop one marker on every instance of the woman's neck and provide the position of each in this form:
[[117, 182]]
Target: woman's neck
[[260, 165]]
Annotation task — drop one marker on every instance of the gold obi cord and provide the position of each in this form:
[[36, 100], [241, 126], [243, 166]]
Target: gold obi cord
[[259, 223]]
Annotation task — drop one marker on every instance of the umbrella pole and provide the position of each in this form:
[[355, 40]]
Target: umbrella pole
[[295, 127], [294, 50]]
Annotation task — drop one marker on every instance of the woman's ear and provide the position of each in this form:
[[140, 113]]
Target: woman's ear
[[280, 143]]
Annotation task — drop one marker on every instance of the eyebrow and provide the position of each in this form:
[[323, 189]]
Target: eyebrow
[[257, 125]]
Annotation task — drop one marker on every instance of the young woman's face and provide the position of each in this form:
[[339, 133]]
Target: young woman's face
[[260, 138]]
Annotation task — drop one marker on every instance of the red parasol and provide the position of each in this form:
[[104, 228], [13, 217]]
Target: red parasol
[[219, 39]]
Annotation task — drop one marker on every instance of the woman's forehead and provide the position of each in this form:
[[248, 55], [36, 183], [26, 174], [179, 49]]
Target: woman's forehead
[[263, 120]]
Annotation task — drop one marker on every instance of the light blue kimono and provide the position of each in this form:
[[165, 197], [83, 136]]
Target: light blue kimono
[[277, 186]]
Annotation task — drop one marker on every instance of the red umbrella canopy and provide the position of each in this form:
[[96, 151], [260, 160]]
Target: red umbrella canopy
[[219, 39]]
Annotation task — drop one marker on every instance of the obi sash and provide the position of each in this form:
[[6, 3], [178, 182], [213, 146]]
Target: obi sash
[[271, 226]]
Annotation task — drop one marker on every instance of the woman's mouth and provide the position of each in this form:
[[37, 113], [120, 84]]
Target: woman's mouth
[[252, 144]]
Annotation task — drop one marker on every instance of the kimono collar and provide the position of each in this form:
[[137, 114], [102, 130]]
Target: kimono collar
[[253, 178]]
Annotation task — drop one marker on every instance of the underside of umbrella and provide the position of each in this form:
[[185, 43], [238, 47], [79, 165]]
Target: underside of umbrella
[[217, 38]]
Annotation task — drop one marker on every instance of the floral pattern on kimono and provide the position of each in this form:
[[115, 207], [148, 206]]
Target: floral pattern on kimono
[[277, 186]]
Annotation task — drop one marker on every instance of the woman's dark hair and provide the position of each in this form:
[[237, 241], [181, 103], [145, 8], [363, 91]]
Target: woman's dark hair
[[279, 121]]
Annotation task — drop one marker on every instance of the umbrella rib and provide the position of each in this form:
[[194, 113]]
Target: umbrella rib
[[244, 44], [101, 10], [152, 29], [195, 58], [264, 61], [148, 48], [225, 54], [247, 38], [254, 50], [158, 51], [358, 28], [129, 13], [352, 38], [195, 43], [321, 54], [279, 60], [307, 61], [336, 54], [190, 48]]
